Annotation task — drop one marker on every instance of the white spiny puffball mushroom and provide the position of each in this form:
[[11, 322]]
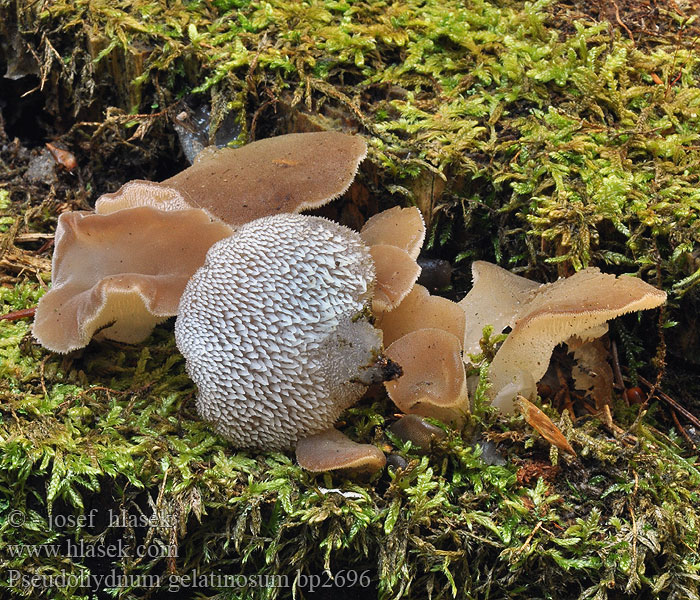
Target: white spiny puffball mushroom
[[275, 329]]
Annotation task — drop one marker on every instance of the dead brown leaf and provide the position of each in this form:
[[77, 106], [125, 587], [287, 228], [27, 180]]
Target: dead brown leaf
[[541, 423]]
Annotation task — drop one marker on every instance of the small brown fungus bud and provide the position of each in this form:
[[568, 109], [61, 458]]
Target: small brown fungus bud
[[416, 430], [330, 450]]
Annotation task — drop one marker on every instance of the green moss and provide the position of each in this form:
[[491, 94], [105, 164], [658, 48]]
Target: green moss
[[4, 200], [113, 427], [570, 136]]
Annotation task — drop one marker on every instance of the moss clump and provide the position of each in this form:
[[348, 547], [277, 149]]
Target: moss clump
[[582, 145], [104, 448]]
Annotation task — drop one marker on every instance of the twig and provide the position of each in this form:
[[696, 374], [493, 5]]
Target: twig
[[617, 371], [619, 21], [42, 368], [634, 538], [529, 537], [686, 413], [33, 237], [100, 388], [45, 246], [18, 314], [682, 430]]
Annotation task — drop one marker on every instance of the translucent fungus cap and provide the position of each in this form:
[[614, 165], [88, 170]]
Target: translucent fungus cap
[[274, 329], [542, 316], [119, 274], [283, 174], [579, 305]]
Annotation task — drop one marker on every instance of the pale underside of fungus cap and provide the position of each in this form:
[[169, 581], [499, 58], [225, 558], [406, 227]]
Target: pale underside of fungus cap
[[546, 316], [120, 273], [275, 330], [284, 174]]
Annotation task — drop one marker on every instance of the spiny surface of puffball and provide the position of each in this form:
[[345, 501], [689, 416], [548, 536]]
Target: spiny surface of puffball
[[273, 331]]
